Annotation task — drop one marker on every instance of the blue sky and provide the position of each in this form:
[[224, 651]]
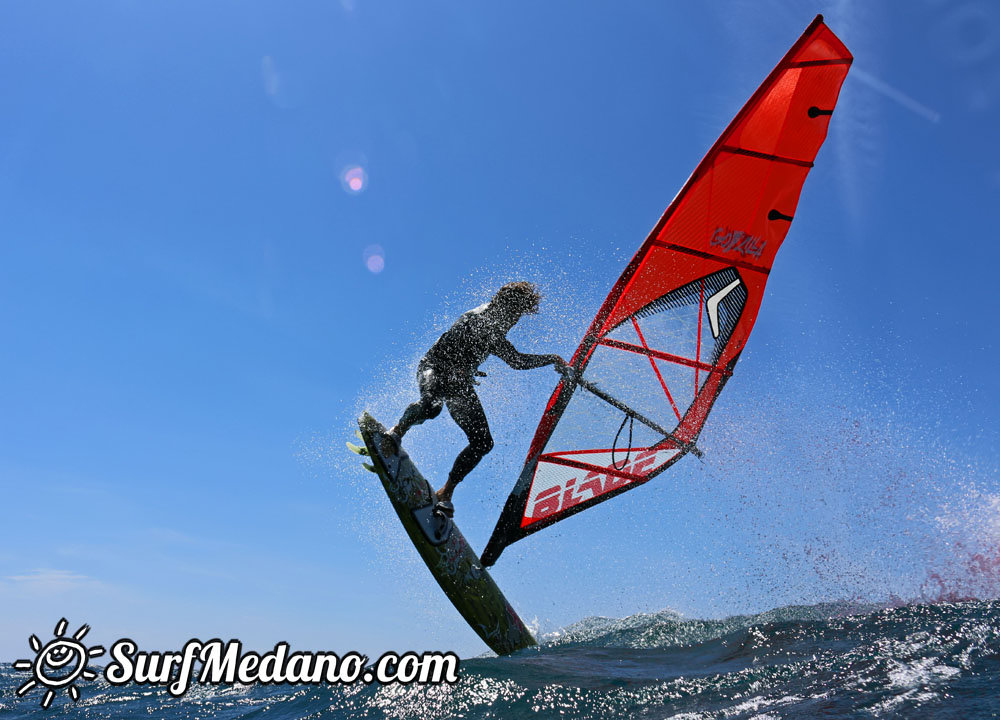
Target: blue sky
[[189, 324]]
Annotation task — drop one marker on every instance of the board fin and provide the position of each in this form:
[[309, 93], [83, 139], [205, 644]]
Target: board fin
[[357, 449]]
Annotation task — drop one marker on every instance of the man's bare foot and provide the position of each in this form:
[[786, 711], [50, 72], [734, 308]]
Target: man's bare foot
[[444, 494]]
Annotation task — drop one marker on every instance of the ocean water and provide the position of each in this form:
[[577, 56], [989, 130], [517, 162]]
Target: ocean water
[[937, 660]]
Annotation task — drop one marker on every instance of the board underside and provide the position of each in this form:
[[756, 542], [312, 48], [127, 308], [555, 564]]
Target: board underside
[[453, 563]]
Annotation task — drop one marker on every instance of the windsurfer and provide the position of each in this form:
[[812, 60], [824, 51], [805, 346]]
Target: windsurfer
[[446, 375]]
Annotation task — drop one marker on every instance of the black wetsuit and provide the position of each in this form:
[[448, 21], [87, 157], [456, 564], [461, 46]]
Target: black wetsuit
[[446, 377]]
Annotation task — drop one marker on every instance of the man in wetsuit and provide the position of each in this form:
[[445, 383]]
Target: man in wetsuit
[[446, 375]]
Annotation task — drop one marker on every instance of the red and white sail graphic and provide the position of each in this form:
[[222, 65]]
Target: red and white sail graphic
[[670, 332]]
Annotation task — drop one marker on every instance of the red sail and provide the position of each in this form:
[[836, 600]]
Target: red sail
[[670, 332]]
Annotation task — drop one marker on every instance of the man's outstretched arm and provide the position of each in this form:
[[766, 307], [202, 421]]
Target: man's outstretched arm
[[523, 361]]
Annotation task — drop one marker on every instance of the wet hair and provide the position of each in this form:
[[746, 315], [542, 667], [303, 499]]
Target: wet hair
[[521, 297]]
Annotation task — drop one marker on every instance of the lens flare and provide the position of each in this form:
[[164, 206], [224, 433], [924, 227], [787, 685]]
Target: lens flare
[[374, 258], [354, 179]]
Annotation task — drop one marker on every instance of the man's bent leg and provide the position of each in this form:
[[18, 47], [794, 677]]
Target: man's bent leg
[[426, 408], [467, 412]]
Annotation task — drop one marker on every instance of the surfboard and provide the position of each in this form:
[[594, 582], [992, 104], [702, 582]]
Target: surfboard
[[441, 544]]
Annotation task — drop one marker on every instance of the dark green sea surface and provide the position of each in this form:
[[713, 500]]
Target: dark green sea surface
[[914, 661]]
